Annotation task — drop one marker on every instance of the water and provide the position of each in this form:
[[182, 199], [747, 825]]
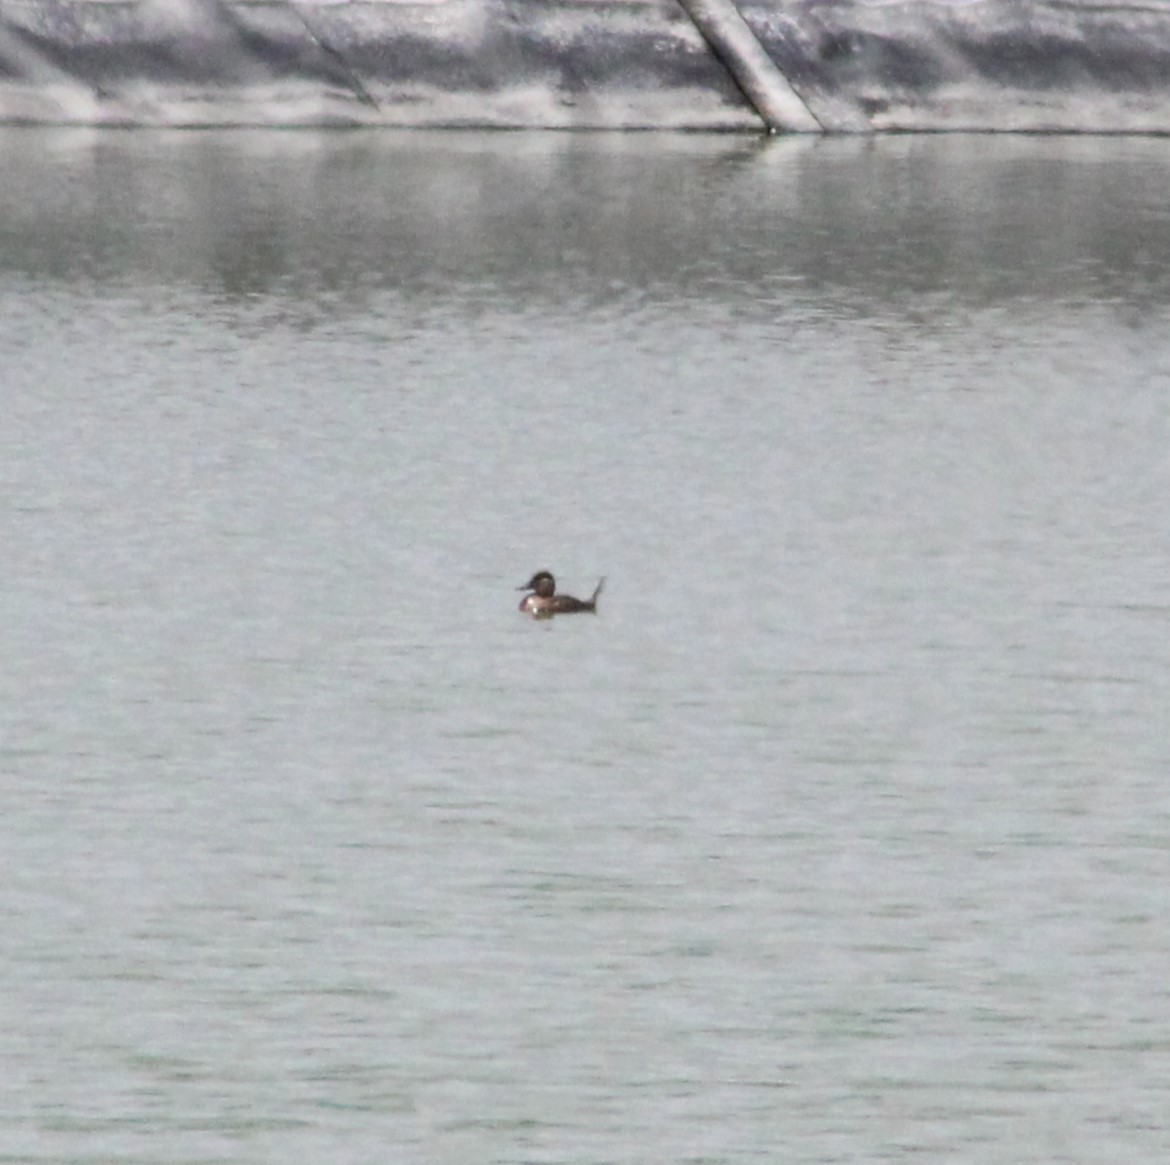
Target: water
[[840, 834]]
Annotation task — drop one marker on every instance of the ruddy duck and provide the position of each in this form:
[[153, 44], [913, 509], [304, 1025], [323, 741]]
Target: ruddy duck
[[544, 602]]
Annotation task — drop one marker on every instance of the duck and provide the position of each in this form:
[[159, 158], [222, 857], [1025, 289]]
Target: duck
[[544, 602]]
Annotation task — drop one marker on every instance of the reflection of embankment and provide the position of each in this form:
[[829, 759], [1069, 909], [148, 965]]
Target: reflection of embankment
[[637, 219]]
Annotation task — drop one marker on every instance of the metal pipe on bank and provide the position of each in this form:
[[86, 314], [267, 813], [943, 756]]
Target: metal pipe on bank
[[767, 89]]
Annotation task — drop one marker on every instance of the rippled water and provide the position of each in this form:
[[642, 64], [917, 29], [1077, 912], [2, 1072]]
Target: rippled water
[[840, 834]]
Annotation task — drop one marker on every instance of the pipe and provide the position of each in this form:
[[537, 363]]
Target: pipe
[[731, 39]]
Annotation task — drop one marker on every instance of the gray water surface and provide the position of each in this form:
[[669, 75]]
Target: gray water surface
[[840, 834]]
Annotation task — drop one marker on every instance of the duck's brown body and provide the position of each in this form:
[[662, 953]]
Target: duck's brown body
[[544, 602]]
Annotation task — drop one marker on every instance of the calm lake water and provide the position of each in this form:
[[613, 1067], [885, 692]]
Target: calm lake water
[[840, 834]]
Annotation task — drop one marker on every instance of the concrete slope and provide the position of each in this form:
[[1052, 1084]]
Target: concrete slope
[[787, 65]]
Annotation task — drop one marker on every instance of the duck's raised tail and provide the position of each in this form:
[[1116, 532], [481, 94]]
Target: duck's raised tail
[[597, 591]]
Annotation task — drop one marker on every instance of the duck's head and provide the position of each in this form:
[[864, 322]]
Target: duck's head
[[542, 583]]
